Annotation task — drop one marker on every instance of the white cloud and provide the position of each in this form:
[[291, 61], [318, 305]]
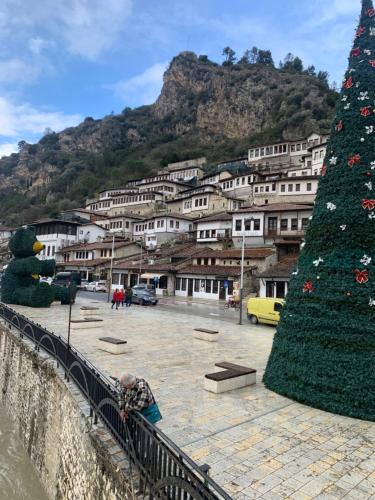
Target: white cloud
[[38, 44], [143, 88], [8, 148], [23, 121], [82, 27], [17, 71]]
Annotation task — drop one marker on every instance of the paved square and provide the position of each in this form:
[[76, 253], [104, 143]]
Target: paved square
[[258, 444]]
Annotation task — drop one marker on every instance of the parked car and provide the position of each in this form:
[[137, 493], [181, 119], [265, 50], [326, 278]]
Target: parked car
[[43, 279], [264, 310], [97, 286], [143, 297], [144, 286], [83, 285], [67, 278]]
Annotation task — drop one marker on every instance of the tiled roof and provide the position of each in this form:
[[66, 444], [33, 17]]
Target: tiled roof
[[236, 253], [282, 269], [97, 245], [215, 217], [276, 207], [144, 267], [223, 271], [83, 263]]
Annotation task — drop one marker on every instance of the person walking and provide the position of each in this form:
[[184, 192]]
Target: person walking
[[121, 297], [128, 297], [135, 395], [115, 299]]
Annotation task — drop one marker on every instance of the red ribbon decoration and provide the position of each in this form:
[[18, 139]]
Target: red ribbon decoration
[[368, 204], [339, 126], [371, 12], [354, 160], [365, 111], [361, 276], [372, 63], [356, 52], [308, 287], [360, 31], [323, 171], [348, 84]]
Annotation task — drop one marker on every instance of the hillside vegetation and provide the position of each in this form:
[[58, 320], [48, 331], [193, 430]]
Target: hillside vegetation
[[204, 109]]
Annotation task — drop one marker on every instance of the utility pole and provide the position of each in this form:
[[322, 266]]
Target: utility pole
[[111, 267], [140, 263], [242, 264]]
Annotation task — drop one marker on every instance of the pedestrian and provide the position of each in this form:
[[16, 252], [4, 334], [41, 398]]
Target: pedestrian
[[128, 297], [115, 299], [121, 297], [135, 395]]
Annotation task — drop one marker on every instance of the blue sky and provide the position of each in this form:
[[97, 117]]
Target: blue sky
[[63, 60]]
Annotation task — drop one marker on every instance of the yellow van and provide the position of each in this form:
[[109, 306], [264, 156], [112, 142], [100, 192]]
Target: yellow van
[[264, 310]]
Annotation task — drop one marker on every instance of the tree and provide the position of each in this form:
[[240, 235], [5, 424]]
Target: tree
[[254, 55], [311, 70], [245, 59], [292, 64], [230, 56], [323, 351], [323, 76], [265, 57], [21, 145]]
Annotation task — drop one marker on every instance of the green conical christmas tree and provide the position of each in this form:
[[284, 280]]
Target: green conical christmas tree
[[324, 349]]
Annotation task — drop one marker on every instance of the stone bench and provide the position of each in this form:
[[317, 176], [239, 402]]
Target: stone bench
[[88, 312], [112, 345], [204, 334], [82, 324], [232, 377]]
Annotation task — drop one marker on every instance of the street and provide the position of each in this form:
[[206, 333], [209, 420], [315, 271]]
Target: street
[[173, 304]]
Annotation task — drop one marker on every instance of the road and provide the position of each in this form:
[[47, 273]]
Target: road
[[203, 310]]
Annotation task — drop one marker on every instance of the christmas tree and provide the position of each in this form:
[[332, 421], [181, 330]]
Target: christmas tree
[[323, 353]]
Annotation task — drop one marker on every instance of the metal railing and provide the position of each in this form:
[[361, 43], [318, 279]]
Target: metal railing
[[165, 470]]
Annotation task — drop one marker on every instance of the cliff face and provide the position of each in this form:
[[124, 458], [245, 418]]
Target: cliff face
[[203, 109]]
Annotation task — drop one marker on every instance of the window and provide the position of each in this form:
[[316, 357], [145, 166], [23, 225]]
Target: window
[[278, 307], [256, 189], [196, 285], [205, 201], [177, 224], [243, 180], [215, 286], [201, 234], [237, 182], [284, 224], [298, 187], [248, 225], [305, 222], [178, 283], [290, 188], [292, 148], [238, 225], [282, 188], [294, 224], [208, 286], [171, 223], [273, 187], [267, 189], [196, 203], [256, 224], [298, 147], [183, 284], [272, 223]]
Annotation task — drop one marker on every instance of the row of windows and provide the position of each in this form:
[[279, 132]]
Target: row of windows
[[157, 188], [49, 250], [285, 224], [265, 189], [200, 202], [106, 252], [204, 286], [183, 174], [118, 224], [319, 154], [295, 187], [269, 150], [82, 255], [250, 225], [102, 204], [56, 228], [133, 199]]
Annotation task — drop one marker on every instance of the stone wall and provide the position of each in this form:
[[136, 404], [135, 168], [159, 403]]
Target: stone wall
[[73, 458]]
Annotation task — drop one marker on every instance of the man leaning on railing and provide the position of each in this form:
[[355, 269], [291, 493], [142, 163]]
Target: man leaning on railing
[[135, 395]]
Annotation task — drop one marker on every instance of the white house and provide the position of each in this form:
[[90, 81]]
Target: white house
[[214, 229], [274, 282], [161, 228]]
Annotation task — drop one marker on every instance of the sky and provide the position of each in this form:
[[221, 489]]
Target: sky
[[64, 60]]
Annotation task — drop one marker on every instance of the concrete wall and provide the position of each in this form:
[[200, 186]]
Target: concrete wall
[[53, 424]]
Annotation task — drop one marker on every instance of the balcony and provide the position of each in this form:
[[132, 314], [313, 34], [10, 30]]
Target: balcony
[[272, 233]]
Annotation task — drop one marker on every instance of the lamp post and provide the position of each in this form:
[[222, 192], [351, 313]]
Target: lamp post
[[111, 267], [140, 262], [242, 265], [69, 322]]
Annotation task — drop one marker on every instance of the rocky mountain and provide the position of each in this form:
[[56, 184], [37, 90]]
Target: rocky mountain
[[204, 109]]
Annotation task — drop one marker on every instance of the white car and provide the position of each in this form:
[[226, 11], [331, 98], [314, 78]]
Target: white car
[[97, 286]]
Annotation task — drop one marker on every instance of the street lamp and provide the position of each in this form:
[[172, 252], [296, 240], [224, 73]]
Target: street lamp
[[110, 272], [242, 264]]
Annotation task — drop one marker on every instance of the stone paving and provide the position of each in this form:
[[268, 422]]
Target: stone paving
[[258, 444]]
